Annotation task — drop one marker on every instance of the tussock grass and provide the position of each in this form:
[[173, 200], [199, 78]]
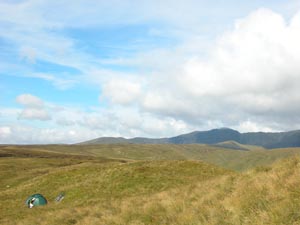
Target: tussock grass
[[156, 192], [88, 184], [239, 160]]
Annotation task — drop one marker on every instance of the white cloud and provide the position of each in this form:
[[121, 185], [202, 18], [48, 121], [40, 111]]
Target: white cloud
[[24, 134], [73, 125], [252, 71], [5, 132], [29, 100], [249, 126], [9, 112], [34, 108], [34, 114], [250, 74], [121, 91]]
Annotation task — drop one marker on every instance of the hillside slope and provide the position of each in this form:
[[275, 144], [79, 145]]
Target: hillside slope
[[162, 192], [220, 155], [88, 184]]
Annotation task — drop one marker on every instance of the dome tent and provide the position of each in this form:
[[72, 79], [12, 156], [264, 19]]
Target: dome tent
[[36, 200]]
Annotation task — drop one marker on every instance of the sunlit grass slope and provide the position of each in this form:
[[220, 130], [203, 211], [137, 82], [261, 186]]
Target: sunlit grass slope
[[238, 160], [149, 184], [265, 195], [91, 187], [148, 192]]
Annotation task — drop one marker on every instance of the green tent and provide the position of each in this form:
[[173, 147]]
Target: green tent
[[36, 200]]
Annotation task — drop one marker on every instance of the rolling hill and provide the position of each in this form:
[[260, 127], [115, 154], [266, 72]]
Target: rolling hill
[[215, 136], [101, 189], [229, 155]]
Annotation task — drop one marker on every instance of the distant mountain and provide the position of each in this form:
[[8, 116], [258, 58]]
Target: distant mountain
[[213, 137], [207, 137], [272, 140]]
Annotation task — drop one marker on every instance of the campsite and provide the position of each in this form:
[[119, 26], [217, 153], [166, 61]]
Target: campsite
[[172, 184]]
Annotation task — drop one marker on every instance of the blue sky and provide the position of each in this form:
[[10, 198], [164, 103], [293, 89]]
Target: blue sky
[[76, 70]]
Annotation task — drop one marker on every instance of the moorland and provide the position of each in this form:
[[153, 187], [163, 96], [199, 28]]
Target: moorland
[[150, 184]]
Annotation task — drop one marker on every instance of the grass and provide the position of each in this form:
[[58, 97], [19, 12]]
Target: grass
[[106, 189], [238, 160], [90, 183]]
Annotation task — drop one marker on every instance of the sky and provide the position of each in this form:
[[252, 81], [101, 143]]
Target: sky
[[74, 70]]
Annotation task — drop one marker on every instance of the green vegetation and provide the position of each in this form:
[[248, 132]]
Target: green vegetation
[[150, 184], [232, 159]]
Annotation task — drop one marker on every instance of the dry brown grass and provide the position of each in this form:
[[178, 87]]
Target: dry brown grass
[[257, 197], [149, 192]]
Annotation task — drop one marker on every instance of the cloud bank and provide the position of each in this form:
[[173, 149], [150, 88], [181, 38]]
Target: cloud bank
[[247, 78], [34, 108]]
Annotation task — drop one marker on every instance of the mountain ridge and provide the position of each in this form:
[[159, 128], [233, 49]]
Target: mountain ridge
[[265, 139]]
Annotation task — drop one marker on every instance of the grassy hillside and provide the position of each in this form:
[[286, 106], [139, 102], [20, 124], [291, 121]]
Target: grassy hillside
[[91, 187], [105, 191], [238, 160]]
